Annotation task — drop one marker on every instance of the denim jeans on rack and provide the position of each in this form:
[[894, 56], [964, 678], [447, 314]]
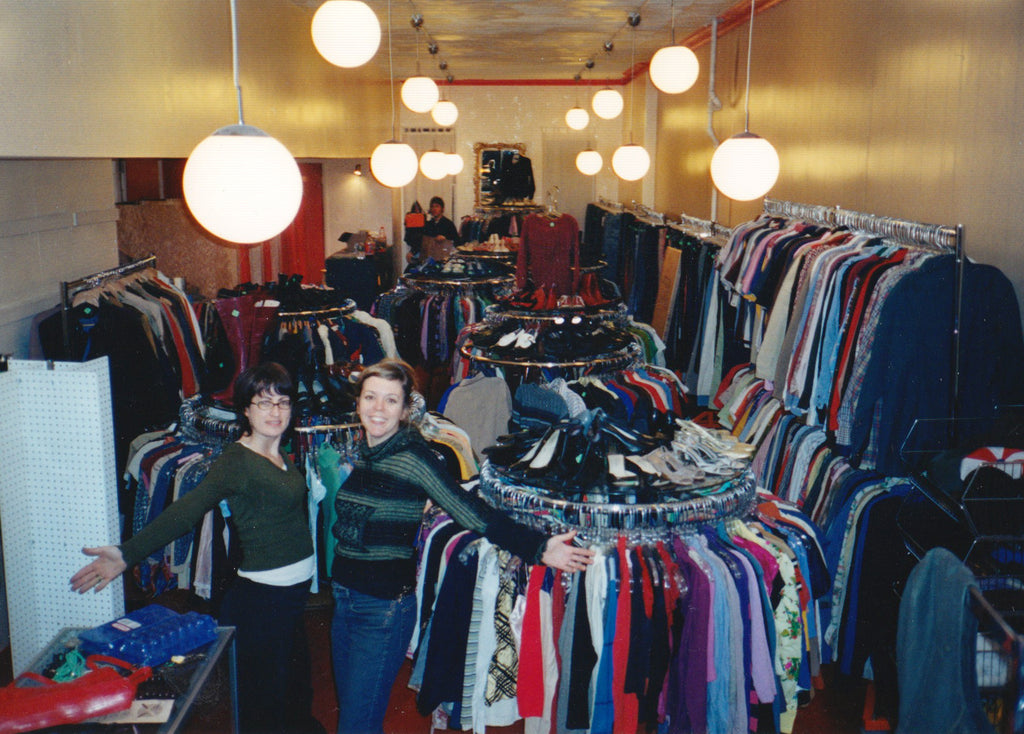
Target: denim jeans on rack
[[369, 639]]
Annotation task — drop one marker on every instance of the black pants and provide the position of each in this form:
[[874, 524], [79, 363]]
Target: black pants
[[274, 681]]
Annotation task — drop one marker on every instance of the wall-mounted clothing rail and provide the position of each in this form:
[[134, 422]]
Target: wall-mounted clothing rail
[[904, 232], [646, 214], [346, 308], [611, 206], [69, 288], [704, 229]]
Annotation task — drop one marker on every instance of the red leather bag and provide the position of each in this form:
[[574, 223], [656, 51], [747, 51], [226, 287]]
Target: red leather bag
[[102, 690]]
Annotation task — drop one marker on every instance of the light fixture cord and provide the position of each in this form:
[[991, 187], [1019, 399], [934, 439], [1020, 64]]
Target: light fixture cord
[[750, 46], [234, 58], [672, 6], [632, 85], [391, 79]]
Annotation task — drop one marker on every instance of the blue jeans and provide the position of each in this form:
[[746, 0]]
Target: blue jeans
[[369, 639]]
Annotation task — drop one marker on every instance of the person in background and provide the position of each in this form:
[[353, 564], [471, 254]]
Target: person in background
[[438, 226], [414, 221], [266, 494], [379, 508]]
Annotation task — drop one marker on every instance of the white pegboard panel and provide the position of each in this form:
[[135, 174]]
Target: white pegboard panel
[[58, 493]]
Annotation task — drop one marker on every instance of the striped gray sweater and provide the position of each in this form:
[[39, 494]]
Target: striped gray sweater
[[379, 508]]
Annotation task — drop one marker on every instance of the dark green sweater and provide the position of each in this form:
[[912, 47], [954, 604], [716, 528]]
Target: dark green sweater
[[268, 508], [379, 508]]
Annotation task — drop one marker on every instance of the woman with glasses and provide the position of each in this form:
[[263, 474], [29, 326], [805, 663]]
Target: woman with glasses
[[266, 496]]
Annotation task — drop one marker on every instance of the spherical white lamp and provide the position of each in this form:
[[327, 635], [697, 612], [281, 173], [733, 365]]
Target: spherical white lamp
[[674, 69], [394, 164], [434, 165], [419, 93], [745, 167], [589, 162], [242, 185], [455, 163], [630, 162], [346, 32], [577, 118], [607, 104], [445, 113]]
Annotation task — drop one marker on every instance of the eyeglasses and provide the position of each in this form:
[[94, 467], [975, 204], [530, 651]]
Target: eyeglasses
[[267, 405]]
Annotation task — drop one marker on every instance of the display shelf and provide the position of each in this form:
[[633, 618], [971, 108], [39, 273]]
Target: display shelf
[[221, 649]]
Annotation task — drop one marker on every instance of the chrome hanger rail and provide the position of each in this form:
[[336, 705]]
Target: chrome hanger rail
[[602, 521], [610, 206], [629, 356], [903, 232], [414, 281], [619, 314], [198, 423], [703, 229], [349, 306], [69, 288]]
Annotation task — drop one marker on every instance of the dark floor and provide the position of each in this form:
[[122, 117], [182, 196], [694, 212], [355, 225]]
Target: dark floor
[[837, 709]]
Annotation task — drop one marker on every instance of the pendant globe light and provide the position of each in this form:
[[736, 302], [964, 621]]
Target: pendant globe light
[[393, 163], [746, 166], [419, 93], [674, 69], [589, 162], [631, 162], [346, 32], [445, 113], [577, 118], [241, 184], [434, 165], [455, 163], [607, 103]]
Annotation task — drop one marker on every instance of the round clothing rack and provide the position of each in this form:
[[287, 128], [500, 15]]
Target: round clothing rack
[[600, 520]]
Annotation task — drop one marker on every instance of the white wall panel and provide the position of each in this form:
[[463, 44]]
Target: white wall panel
[[58, 493]]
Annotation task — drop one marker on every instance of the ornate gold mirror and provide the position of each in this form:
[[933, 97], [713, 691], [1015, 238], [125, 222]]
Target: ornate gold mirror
[[501, 174]]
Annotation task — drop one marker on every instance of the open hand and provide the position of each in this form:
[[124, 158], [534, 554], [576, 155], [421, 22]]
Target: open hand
[[560, 553], [109, 564]]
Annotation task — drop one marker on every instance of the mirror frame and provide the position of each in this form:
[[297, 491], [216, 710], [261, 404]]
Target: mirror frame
[[478, 151]]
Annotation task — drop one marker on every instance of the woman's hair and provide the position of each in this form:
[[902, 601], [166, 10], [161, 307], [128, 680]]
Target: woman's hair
[[268, 377], [391, 369]]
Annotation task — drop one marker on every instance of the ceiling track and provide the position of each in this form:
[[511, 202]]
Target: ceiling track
[[731, 19]]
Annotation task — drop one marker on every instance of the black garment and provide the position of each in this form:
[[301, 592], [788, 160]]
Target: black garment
[[441, 226], [449, 633], [583, 660], [517, 178], [414, 239]]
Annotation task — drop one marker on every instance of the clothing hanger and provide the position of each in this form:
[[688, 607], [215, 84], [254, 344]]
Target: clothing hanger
[[551, 211]]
